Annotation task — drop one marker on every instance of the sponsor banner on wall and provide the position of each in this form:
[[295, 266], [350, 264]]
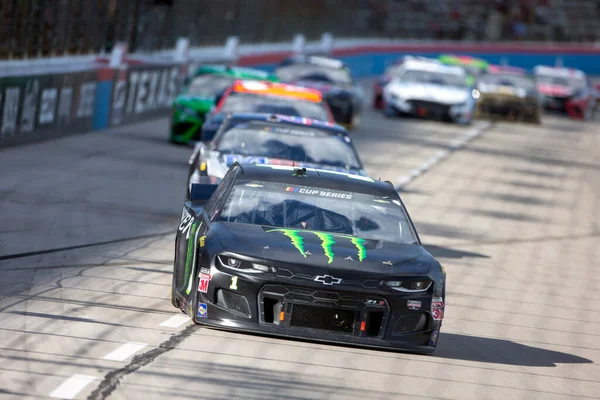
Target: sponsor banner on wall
[[145, 90], [42, 106]]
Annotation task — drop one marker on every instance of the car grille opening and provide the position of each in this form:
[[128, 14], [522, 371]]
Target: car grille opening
[[323, 318], [373, 323], [272, 308]]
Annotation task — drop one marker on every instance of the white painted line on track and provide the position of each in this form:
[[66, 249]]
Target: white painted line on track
[[442, 154], [175, 321], [125, 351], [69, 388]]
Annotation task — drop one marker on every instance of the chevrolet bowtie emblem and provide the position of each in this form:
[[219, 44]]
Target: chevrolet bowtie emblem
[[328, 280]]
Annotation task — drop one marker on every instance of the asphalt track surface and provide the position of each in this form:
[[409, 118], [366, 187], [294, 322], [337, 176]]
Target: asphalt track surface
[[511, 210]]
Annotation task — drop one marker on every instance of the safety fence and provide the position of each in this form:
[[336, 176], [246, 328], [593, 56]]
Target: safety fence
[[42, 28], [37, 106]]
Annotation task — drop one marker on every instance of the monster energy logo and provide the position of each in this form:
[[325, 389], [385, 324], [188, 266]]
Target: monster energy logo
[[327, 241]]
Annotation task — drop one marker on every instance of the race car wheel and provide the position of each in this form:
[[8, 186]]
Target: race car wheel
[[588, 114], [389, 112]]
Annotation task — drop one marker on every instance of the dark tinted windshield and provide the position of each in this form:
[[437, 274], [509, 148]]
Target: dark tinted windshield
[[252, 103], [569, 81], [297, 143], [298, 72], [209, 85], [438, 78], [515, 81], [303, 207]]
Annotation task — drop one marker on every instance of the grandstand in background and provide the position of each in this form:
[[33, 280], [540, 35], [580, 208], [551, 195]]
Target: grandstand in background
[[42, 28]]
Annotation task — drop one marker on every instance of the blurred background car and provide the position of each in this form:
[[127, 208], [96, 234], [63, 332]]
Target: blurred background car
[[429, 90], [508, 92], [272, 139], [474, 67], [198, 96], [266, 97], [385, 78], [332, 78], [565, 91]]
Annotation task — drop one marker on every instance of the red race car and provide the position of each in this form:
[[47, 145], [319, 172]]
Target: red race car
[[566, 91]]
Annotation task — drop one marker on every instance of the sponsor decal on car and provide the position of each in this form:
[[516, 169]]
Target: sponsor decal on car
[[373, 302], [202, 310], [413, 305], [437, 308], [204, 281], [190, 259], [202, 241], [327, 241], [322, 193], [186, 222], [434, 337]]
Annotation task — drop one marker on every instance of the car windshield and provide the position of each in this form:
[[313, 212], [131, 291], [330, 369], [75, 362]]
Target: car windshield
[[515, 81], [297, 72], [296, 143], [569, 81], [253, 103], [435, 77], [209, 85], [311, 208]]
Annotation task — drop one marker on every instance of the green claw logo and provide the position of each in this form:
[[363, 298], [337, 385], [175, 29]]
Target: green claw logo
[[327, 241]]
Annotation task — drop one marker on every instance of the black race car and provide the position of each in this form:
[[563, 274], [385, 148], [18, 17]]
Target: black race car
[[307, 253], [330, 76]]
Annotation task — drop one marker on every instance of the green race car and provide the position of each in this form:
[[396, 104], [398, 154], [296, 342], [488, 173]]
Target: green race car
[[198, 97], [473, 66]]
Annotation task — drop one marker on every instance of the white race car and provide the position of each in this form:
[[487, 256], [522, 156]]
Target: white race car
[[432, 90]]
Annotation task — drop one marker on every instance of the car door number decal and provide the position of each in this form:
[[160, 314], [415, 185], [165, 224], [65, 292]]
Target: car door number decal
[[233, 285]]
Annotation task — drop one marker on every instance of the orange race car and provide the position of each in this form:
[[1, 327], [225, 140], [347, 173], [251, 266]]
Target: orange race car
[[266, 97]]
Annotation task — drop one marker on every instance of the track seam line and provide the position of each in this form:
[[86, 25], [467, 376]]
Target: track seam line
[[432, 161], [81, 246]]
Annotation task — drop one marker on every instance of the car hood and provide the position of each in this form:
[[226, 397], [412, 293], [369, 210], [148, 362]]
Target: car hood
[[319, 252], [554, 90], [230, 159], [428, 92], [198, 104], [493, 89]]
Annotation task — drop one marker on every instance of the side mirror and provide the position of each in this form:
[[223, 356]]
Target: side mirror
[[200, 193]]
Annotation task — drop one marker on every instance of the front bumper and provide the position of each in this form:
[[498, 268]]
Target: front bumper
[[286, 307], [431, 110], [186, 129], [506, 106]]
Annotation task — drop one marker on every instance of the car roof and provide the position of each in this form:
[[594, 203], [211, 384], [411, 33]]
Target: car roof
[[317, 178], [417, 65], [289, 120], [507, 69], [277, 89], [559, 71], [322, 61], [234, 71], [464, 60]]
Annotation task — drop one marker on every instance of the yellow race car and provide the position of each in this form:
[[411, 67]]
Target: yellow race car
[[507, 93]]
